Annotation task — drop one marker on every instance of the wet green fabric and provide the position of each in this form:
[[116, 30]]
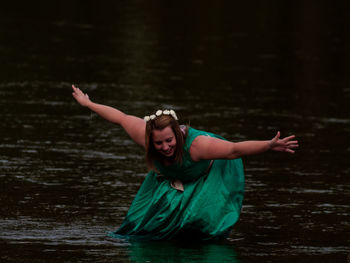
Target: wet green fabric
[[208, 207]]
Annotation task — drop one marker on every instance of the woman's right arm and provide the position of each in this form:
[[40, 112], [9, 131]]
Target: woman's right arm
[[134, 126]]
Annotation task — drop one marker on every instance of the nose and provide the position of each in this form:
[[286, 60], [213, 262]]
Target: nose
[[165, 146]]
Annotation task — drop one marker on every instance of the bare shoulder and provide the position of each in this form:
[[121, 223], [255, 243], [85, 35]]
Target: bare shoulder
[[196, 146]]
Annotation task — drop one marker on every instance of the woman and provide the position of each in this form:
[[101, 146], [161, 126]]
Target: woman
[[195, 185]]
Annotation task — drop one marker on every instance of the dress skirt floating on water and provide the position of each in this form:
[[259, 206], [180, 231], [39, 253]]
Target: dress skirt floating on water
[[207, 208]]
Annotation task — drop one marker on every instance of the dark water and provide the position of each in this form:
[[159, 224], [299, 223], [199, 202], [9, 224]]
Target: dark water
[[243, 71]]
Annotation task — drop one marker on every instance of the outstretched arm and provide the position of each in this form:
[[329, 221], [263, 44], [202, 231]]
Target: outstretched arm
[[209, 148], [134, 126]]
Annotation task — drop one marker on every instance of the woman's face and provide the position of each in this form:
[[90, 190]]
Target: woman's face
[[164, 141]]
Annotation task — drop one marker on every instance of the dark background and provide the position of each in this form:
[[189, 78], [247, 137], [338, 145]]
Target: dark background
[[243, 70]]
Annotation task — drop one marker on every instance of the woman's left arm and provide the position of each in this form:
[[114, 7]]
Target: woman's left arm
[[209, 148]]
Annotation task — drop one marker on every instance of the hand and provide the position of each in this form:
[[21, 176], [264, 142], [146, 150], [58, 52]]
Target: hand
[[283, 145], [80, 97]]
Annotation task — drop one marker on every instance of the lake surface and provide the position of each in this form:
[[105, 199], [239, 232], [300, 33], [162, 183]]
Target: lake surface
[[239, 70]]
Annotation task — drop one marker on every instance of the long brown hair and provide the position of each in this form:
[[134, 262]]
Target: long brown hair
[[159, 123]]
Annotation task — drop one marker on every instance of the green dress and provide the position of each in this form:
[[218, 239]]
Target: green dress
[[207, 209]]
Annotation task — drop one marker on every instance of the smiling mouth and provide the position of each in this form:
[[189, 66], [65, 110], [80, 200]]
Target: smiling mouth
[[168, 152]]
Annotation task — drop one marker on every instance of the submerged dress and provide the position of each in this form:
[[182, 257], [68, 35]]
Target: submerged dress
[[207, 209]]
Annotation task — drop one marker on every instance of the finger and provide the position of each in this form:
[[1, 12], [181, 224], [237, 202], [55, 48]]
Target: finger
[[291, 147], [290, 150], [292, 142], [75, 88], [277, 136], [79, 92], [289, 138]]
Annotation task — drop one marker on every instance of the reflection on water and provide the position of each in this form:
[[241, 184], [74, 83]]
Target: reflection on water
[[67, 177], [181, 252]]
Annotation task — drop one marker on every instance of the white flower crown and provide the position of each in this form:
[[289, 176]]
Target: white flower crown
[[160, 112]]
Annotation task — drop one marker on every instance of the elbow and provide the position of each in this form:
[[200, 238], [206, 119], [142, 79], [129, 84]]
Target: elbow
[[235, 156], [122, 119], [234, 153]]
